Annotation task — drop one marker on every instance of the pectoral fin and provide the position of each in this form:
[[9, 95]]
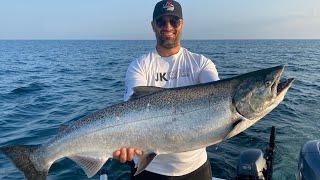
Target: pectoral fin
[[237, 127], [144, 162]]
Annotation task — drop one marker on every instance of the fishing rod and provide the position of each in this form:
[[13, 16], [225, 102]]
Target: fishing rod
[[270, 154]]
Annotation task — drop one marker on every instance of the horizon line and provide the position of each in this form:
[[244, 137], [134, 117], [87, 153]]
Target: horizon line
[[49, 39]]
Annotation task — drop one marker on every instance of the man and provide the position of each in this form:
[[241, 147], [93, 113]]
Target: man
[[169, 66]]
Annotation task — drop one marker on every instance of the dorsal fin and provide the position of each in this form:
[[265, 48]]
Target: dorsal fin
[[63, 128], [67, 125], [140, 91]]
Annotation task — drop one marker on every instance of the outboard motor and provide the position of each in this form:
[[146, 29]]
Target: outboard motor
[[251, 165], [254, 164], [309, 161]]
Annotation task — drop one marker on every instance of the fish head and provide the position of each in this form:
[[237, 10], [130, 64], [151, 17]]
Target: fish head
[[259, 92]]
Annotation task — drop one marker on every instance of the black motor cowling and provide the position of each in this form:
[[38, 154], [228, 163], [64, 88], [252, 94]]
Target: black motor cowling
[[251, 165], [309, 161]]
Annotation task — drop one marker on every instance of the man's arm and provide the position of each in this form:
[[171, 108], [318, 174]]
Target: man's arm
[[135, 76], [208, 72]]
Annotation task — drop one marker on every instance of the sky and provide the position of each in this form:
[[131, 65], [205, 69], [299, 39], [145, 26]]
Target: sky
[[130, 19]]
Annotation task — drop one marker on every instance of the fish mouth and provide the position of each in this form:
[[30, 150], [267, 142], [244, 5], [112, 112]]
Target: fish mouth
[[283, 85]]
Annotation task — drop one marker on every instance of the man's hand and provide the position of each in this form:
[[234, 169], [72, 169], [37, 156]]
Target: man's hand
[[126, 154]]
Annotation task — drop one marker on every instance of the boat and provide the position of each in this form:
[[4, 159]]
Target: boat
[[254, 164]]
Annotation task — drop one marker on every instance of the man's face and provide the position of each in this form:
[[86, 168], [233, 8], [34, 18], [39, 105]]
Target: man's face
[[168, 31]]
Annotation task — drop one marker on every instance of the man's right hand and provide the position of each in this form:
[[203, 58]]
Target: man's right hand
[[126, 154]]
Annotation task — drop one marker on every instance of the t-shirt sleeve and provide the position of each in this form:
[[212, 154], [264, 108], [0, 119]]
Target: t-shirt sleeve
[[208, 71], [135, 76]]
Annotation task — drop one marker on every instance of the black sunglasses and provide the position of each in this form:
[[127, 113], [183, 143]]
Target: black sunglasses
[[174, 21]]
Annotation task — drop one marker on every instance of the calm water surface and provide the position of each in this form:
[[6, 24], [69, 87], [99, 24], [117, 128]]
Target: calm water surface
[[46, 83]]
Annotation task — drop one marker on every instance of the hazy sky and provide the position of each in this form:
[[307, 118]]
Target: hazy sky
[[130, 19]]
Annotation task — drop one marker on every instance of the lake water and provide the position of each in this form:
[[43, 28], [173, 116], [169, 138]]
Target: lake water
[[46, 83]]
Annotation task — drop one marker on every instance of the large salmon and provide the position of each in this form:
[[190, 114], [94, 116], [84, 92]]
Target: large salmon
[[159, 121]]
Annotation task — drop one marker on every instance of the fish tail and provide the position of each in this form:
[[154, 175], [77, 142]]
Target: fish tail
[[20, 155]]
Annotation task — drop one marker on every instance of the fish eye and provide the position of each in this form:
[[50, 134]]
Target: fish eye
[[268, 83]]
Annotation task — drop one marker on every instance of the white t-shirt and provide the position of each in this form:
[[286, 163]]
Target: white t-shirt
[[182, 69]]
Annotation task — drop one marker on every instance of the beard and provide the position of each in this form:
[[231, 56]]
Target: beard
[[166, 42]]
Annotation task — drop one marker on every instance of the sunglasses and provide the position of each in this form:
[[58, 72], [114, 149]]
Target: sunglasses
[[174, 21]]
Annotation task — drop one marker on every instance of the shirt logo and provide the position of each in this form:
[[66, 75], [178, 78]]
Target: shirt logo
[[161, 77], [172, 75], [169, 6]]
